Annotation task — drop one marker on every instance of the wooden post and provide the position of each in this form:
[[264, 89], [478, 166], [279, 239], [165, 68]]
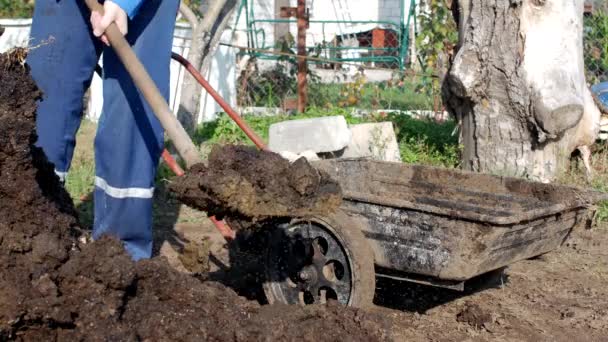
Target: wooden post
[[301, 13], [302, 65]]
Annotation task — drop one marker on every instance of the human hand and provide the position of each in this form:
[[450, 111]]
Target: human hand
[[112, 14]]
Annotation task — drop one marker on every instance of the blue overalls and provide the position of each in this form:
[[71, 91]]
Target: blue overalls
[[129, 138]]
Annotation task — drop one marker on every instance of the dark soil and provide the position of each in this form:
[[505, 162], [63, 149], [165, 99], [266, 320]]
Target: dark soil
[[243, 181], [54, 288], [195, 256], [561, 296], [474, 316]]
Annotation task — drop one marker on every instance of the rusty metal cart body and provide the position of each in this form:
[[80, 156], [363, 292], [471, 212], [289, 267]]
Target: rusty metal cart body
[[428, 225]]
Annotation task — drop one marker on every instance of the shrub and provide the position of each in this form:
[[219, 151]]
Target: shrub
[[596, 47], [16, 8]]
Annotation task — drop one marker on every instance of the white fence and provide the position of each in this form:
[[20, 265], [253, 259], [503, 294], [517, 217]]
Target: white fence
[[221, 75]]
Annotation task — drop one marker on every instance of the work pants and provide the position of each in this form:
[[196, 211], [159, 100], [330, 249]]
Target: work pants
[[129, 138]]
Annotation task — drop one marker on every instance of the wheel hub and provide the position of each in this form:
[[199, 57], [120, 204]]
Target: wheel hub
[[312, 266], [308, 275]]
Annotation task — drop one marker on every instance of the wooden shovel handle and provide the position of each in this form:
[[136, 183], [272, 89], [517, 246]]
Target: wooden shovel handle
[[146, 86]]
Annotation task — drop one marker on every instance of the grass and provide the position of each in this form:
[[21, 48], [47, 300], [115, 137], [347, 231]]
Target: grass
[[420, 141], [575, 175], [82, 170], [80, 181]]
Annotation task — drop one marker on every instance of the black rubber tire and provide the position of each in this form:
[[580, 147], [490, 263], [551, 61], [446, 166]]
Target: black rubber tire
[[359, 254]]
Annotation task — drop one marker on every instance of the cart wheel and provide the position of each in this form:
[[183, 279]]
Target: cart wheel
[[310, 261]]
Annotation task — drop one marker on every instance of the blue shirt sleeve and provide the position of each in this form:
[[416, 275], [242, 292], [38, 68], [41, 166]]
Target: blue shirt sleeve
[[129, 6]]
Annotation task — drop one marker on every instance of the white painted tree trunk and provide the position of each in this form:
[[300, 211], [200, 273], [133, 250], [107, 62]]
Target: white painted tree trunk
[[206, 34], [517, 86]]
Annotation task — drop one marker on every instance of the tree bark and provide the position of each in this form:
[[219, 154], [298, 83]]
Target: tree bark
[[517, 85], [206, 34], [188, 14], [220, 25]]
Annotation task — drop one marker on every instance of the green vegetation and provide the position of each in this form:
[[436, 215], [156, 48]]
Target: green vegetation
[[382, 95], [16, 8], [576, 176], [602, 212], [596, 47], [195, 5], [81, 179], [420, 141], [272, 87], [435, 41], [426, 141]]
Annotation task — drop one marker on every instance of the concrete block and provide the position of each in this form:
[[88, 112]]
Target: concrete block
[[373, 140], [326, 134], [292, 157]]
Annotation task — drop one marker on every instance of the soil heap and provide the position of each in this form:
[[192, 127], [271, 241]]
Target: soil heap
[[53, 288], [244, 182]]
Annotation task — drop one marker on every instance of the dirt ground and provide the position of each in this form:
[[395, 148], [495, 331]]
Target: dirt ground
[[560, 296], [52, 287], [55, 287]]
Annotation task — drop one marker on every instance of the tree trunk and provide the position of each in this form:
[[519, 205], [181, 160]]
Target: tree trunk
[[517, 85], [206, 35], [221, 23]]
